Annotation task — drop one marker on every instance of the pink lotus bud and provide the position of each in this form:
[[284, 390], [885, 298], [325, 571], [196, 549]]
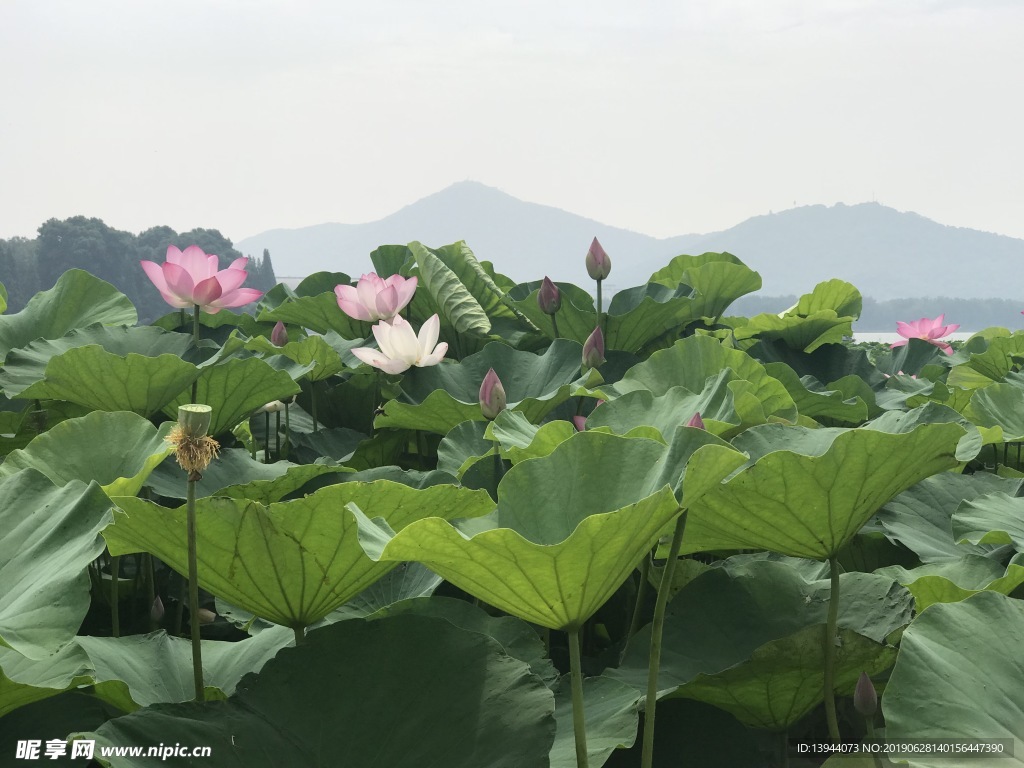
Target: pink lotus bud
[[598, 263], [279, 336], [206, 616], [156, 611], [593, 349], [549, 298], [492, 395], [580, 422], [865, 698], [696, 421]]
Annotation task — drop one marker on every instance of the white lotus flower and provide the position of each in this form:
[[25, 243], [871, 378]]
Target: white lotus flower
[[401, 348]]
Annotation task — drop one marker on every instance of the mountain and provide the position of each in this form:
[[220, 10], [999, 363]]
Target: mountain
[[884, 252]]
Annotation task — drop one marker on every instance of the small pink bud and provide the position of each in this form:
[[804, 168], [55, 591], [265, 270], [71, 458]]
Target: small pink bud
[[580, 422], [865, 697], [549, 298], [696, 421], [598, 263], [279, 336], [156, 611], [492, 395], [593, 349], [206, 616]]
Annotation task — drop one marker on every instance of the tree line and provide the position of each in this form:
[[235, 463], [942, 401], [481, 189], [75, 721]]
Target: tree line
[[28, 266]]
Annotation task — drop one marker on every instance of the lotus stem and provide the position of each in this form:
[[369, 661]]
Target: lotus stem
[[195, 338], [193, 589], [579, 724], [654, 665], [277, 435], [312, 400], [830, 651], [266, 437], [554, 325], [147, 560], [600, 324], [287, 430], [115, 608], [300, 635]]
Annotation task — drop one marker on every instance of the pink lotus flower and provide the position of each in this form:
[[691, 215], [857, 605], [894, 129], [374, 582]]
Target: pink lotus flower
[[190, 277], [401, 348], [373, 298], [696, 421], [926, 330]]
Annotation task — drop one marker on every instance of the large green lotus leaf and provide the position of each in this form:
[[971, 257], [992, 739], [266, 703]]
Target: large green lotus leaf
[[319, 313], [27, 366], [610, 712], [313, 350], [920, 518], [638, 316], [902, 422], [335, 443], [327, 703], [117, 450], [521, 440], [1003, 355], [139, 670], [456, 303], [824, 316], [727, 404], [955, 580], [92, 377], [797, 331], [999, 405], [958, 676], [811, 505], [234, 466], [717, 278], [829, 364], [293, 562], [689, 362], [729, 628], [814, 400], [448, 394], [569, 528], [518, 638], [50, 535], [76, 300], [992, 519], [236, 388], [464, 446]]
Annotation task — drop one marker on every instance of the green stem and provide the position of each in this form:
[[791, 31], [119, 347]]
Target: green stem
[[579, 724], [599, 306], [554, 324], [657, 628], [287, 431], [300, 635], [193, 590], [312, 400], [641, 596], [277, 435], [115, 607], [266, 437], [147, 560], [830, 651], [195, 339]]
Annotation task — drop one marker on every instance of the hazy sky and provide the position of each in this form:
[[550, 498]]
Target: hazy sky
[[662, 116]]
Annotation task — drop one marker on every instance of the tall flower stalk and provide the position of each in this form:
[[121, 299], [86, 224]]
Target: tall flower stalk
[[599, 266], [194, 450]]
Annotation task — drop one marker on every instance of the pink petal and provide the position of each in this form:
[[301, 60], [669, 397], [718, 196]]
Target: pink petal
[[898, 344], [386, 302], [907, 330], [179, 282], [207, 292], [405, 290], [238, 297], [155, 274], [230, 279], [367, 294], [173, 255], [240, 263], [580, 422], [198, 264], [349, 303]]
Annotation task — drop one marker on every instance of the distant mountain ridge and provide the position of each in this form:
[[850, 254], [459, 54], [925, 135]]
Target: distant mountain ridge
[[884, 252]]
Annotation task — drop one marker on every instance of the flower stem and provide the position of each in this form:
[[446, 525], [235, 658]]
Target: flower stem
[[830, 651], [300, 635], [579, 724], [657, 628], [599, 306], [195, 340], [115, 606], [277, 435], [287, 430], [193, 589], [266, 437], [554, 324], [312, 400]]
